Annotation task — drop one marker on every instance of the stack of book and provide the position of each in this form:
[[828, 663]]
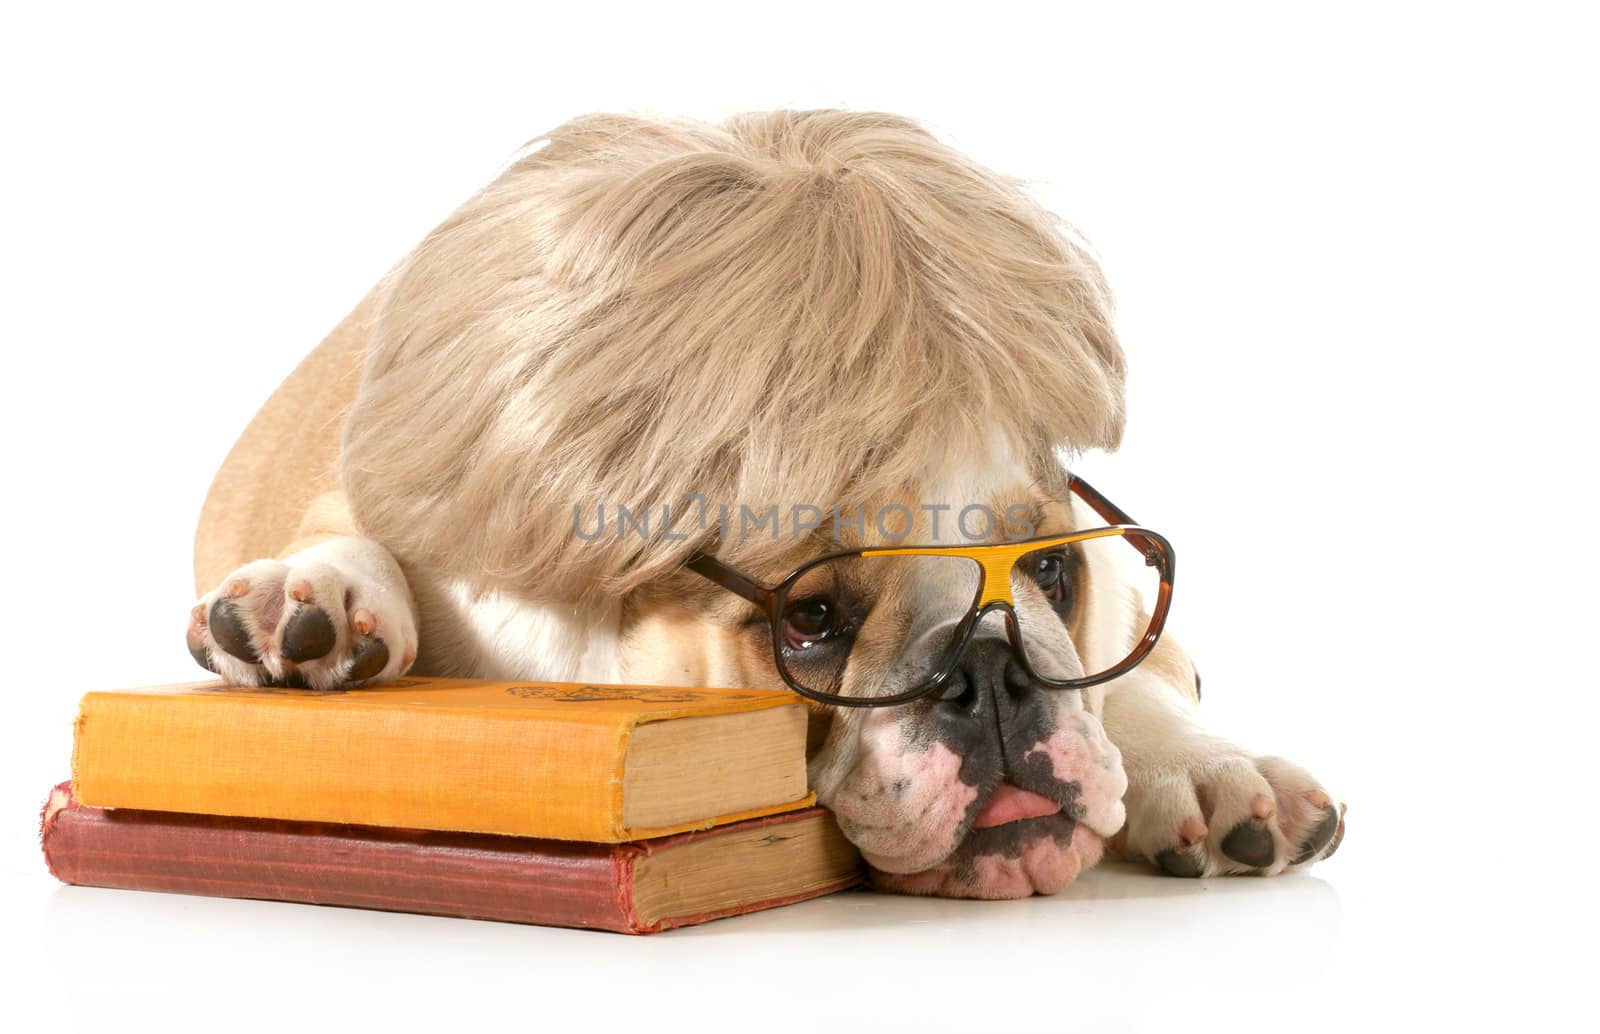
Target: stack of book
[[633, 809]]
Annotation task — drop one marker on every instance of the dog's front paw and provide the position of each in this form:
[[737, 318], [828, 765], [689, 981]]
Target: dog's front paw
[[334, 615], [1218, 810]]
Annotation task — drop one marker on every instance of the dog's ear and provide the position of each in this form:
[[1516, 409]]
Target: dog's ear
[[816, 307]]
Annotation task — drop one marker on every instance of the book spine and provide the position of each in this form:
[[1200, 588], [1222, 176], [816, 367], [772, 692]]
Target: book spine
[[414, 768], [463, 875]]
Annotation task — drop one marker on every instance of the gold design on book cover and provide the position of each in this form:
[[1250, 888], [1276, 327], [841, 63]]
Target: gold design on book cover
[[570, 693]]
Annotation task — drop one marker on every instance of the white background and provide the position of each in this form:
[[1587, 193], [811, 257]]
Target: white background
[[1355, 254]]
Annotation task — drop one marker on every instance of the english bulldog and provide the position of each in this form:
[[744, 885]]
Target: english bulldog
[[787, 401]]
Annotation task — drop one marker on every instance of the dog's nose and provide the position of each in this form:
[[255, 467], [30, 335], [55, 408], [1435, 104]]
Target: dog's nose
[[987, 682]]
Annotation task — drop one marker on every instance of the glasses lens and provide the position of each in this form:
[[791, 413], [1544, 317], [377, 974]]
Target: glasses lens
[[1056, 608], [877, 626]]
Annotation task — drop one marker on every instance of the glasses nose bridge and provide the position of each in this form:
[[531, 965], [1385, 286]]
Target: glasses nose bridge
[[996, 582], [997, 562]]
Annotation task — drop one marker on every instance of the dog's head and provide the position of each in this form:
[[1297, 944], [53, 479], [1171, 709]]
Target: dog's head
[[792, 309], [993, 784]]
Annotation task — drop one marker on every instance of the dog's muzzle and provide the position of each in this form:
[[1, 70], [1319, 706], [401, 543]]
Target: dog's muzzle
[[1002, 788]]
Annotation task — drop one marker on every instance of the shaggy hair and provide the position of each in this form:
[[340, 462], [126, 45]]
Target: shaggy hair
[[791, 307]]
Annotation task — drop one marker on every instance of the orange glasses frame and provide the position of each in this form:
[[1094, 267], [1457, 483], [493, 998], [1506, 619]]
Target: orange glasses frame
[[994, 593]]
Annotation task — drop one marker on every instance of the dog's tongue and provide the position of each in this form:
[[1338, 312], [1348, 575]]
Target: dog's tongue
[[1012, 803]]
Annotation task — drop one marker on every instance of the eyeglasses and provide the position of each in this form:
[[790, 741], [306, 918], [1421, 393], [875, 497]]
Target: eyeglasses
[[934, 597]]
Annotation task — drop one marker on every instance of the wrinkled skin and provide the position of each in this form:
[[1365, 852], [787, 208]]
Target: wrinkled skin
[[909, 783]]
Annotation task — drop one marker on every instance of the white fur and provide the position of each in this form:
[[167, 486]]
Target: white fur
[[516, 639]]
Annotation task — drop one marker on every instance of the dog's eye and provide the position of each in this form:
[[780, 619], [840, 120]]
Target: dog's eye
[[809, 622], [1049, 571]]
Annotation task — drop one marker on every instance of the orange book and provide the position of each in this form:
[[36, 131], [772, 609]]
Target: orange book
[[536, 759]]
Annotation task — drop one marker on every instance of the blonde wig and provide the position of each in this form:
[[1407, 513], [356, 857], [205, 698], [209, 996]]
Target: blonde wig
[[794, 306]]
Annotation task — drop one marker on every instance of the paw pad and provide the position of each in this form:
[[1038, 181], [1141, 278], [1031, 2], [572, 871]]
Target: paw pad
[[229, 632], [369, 659], [332, 615], [1320, 836], [1188, 863], [308, 635], [1250, 843]]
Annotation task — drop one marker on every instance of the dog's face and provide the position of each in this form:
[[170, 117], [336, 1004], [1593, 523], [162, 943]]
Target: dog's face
[[993, 786]]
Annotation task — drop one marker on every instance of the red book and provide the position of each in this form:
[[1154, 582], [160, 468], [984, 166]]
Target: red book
[[641, 887]]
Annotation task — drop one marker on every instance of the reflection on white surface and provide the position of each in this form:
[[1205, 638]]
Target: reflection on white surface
[[1122, 949], [1121, 941]]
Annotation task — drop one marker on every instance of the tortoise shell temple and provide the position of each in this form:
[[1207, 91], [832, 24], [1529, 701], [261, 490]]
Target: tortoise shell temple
[[1108, 511], [1111, 513], [715, 570]]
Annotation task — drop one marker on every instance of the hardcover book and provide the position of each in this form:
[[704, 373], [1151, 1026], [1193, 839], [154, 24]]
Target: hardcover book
[[631, 888], [537, 759]]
